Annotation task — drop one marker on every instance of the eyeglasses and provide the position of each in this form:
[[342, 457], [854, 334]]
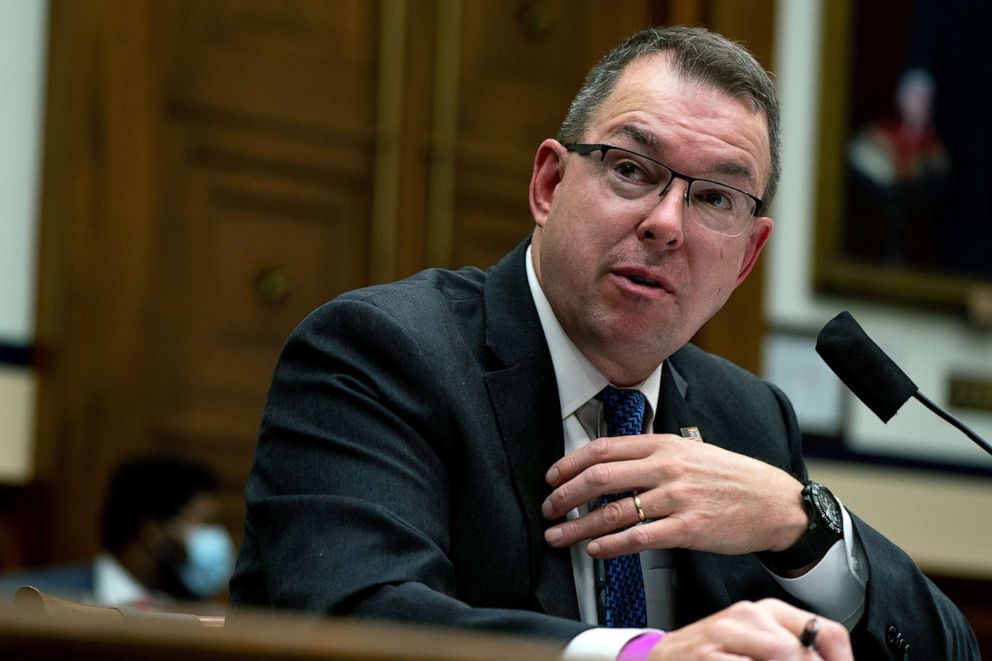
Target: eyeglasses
[[714, 206]]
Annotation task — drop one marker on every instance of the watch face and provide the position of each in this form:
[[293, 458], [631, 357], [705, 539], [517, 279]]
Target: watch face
[[826, 504]]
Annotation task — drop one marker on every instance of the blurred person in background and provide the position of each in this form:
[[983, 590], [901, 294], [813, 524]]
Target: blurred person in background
[[161, 543]]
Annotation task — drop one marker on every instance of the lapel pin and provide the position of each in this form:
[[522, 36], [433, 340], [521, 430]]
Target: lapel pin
[[692, 433]]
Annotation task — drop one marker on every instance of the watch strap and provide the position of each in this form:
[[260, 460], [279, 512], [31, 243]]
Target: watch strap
[[814, 543]]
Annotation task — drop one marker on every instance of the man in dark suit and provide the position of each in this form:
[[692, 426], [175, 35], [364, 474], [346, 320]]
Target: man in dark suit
[[447, 449]]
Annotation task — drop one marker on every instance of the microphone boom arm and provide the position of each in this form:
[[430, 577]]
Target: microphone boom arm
[[927, 402]]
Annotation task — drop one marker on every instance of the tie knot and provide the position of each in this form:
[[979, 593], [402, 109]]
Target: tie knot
[[624, 410]]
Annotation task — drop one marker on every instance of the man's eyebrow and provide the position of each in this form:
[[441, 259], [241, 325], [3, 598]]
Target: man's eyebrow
[[732, 169], [638, 135], [737, 171]]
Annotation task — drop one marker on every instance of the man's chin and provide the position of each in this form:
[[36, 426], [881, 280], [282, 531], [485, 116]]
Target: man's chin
[[640, 350]]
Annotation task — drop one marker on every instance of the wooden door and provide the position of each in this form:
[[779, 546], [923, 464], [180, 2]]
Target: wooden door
[[209, 182], [265, 184]]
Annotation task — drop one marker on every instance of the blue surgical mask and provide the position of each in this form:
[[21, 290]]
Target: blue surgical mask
[[209, 560]]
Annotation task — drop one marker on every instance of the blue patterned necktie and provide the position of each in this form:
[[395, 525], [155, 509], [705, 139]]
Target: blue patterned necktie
[[623, 597]]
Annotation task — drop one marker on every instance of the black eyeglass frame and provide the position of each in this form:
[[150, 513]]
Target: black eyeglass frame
[[584, 149]]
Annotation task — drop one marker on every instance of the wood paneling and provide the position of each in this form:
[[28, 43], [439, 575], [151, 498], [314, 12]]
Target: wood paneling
[[209, 183], [97, 242], [268, 152]]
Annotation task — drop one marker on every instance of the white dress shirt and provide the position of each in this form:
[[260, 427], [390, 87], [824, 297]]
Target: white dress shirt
[[113, 585], [835, 587]]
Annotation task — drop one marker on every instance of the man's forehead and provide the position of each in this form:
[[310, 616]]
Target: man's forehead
[[648, 79], [650, 88]]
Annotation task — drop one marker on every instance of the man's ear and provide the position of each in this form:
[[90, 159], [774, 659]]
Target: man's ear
[[761, 230], [545, 178]]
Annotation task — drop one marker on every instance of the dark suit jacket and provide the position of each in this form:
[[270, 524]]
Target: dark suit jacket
[[399, 471]]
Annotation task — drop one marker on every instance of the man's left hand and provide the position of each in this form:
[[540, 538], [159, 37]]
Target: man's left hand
[[693, 495]]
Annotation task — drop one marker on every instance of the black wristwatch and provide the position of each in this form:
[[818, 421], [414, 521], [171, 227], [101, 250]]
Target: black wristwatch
[[826, 526]]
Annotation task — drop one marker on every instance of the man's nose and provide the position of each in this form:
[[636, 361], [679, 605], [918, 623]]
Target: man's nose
[[664, 221]]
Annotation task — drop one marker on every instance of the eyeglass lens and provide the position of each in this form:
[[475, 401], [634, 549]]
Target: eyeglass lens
[[715, 206]]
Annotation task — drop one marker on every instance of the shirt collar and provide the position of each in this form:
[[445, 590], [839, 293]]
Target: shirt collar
[[578, 380], [113, 585]]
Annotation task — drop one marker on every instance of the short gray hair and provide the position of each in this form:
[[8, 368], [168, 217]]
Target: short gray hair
[[697, 55]]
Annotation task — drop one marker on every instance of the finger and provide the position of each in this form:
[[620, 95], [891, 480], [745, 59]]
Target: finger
[[611, 477], [773, 643], [767, 629], [606, 518], [601, 450], [832, 641], [761, 631], [746, 629], [666, 533]]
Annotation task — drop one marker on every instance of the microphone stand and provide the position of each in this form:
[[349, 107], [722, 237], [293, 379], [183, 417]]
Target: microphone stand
[[927, 402]]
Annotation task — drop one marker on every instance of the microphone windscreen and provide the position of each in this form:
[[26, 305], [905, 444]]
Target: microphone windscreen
[[863, 366]]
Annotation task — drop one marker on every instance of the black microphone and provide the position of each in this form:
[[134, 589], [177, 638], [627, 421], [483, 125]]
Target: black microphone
[[872, 376]]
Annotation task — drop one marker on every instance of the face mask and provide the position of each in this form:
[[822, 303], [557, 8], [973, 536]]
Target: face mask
[[209, 560]]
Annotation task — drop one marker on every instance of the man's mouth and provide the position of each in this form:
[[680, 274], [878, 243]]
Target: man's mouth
[[647, 282]]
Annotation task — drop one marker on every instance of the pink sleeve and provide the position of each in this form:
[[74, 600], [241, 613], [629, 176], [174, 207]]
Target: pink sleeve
[[639, 648]]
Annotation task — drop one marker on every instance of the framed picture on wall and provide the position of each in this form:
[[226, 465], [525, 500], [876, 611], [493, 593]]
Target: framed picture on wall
[[904, 186]]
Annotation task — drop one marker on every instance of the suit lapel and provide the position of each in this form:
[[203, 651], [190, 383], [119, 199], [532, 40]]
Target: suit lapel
[[524, 396], [704, 589], [676, 410], [709, 581]]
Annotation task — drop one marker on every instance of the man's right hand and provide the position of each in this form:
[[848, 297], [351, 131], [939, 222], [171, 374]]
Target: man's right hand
[[763, 630]]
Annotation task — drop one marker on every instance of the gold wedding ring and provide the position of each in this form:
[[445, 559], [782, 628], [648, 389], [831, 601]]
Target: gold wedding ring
[[637, 504]]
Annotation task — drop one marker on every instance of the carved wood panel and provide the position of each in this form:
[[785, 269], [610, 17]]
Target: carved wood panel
[[222, 190], [252, 240], [268, 124]]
